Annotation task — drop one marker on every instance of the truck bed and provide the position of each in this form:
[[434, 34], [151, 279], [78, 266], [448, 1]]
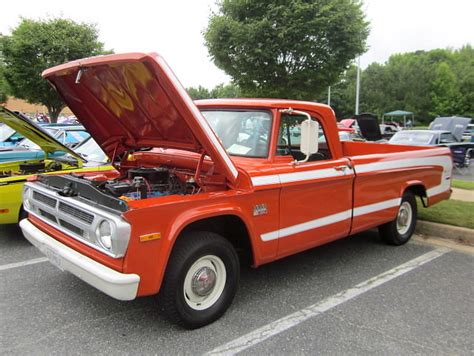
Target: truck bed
[[351, 149]]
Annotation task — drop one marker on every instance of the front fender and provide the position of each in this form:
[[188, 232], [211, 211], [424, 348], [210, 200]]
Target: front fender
[[149, 259]]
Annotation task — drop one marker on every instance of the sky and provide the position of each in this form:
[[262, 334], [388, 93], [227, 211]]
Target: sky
[[174, 28]]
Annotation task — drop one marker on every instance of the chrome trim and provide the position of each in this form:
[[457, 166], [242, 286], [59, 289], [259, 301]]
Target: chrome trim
[[79, 217]]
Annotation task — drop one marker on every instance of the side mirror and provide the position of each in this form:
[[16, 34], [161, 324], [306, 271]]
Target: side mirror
[[309, 134], [309, 138]]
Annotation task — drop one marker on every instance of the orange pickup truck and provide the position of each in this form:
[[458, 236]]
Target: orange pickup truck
[[207, 185]]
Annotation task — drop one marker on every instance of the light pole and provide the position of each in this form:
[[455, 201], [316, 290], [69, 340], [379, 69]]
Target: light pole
[[357, 87]]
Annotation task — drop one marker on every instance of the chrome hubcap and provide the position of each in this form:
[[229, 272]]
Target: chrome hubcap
[[203, 281], [404, 218]]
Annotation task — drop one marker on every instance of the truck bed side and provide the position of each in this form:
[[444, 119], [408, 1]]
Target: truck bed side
[[384, 172]]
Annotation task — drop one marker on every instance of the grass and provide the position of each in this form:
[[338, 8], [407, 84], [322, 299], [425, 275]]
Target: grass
[[462, 184], [450, 212]]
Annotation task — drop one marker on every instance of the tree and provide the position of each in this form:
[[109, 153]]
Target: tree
[[3, 84], [34, 46], [288, 49], [445, 92], [3, 87], [428, 83], [220, 91], [199, 93], [225, 91]]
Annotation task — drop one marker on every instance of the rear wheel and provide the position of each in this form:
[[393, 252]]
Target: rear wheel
[[400, 230], [201, 279]]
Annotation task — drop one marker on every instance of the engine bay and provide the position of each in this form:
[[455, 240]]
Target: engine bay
[[143, 183], [134, 183]]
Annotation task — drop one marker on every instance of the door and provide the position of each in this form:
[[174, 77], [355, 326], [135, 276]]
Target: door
[[316, 196]]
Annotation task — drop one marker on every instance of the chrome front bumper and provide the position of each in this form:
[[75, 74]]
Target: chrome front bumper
[[117, 285]]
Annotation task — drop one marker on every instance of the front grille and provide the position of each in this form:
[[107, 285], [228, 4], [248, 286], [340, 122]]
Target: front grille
[[47, 215], [77, 213], [71, 227], [76, 219], [44, 199]]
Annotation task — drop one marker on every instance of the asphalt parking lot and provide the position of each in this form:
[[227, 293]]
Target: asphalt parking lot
[[354, 296]]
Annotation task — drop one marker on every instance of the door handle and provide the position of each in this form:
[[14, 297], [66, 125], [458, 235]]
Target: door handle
[[341, 168]]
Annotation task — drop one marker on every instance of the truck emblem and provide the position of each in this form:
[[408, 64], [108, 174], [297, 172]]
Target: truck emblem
[[260, 209]]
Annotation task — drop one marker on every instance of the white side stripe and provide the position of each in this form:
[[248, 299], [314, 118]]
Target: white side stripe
[[267, 331], [372, 208], [309, 225], [310, 175], [442, 161], [330, 219], [266, 180]]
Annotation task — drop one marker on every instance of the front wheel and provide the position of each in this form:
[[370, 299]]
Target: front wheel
[[201, 279], [399, 231]]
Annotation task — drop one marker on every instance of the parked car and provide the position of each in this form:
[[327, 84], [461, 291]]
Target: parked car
[[462, 151], [8, 136], [194, 193], [365, 126], [87, 157], [468, 134], [26, 149]]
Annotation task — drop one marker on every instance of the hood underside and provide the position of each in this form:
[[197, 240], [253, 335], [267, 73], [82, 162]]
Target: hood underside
[[132, 101], [455, 125], [33, 132], [369, 126]]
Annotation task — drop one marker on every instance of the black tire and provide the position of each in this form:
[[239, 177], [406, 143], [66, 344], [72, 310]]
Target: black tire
[[178, 295], [23, 214], [399, 234]]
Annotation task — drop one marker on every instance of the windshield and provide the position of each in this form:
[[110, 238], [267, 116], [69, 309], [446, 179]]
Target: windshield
[[91, 151], [27, 143], [242, 133], [5, 132], [412, 138]]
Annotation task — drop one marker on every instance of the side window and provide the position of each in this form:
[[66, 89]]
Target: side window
[[289, 139]]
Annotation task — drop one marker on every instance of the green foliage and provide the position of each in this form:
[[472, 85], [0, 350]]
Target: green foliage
[[34, 46], [444, 91], [199, 93], [286, 49], [219, 91], [3, 86], [439, 82], [225, 91]]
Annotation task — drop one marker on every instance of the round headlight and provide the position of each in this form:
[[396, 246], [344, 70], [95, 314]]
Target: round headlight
[[104, 233]]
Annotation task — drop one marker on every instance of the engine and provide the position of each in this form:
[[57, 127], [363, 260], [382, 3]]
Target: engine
[[142, 183]]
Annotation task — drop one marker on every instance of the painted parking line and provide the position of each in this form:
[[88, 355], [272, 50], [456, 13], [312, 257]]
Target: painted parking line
[[267, 331], [23, 263]]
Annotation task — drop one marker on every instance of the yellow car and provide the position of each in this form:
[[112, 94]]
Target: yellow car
[[88, 157]]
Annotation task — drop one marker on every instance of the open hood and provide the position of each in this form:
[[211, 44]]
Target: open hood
[[34, 132], [455, 125], [369, 126], [133, 101]]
